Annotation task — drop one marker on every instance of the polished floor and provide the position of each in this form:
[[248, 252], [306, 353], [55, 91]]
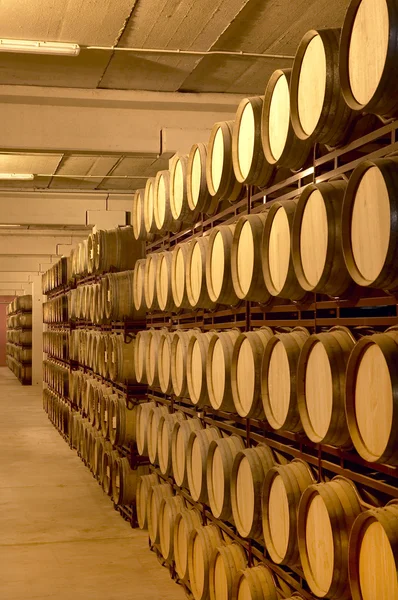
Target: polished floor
[[60, 537]]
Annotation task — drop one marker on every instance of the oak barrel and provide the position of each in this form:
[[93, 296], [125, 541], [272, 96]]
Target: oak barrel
[[196, 459], [152, 357], [220, 175], [202, 543], [163, 282], [198, 347], [219, 369], [168, 511], [141, 345], [225, 565], [124, 481], [179, 268], [179, 352], [255, 583], [144, 483], [138, 216], [179, 206], [161, 203], [179, 445], [152, 434], [326, 514], [281, 145], [185, 522], [150, 291], [164, 358], [155, 496], [318, 109], [218, 266], [321, 377], [249, 163], [142, 418], [197, 292], [165, 432], [149, 217], [198, 195], [139, 285]]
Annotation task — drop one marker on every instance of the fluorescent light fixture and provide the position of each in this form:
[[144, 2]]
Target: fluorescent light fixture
[[33, 47], [17, 176], [10, 226]]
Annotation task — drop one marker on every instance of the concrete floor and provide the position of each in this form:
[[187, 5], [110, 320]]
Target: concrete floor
[[60, 537]]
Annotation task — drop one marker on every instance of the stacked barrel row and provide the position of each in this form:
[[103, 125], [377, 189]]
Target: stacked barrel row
[[58, 275], [19, 338], [268, 499]]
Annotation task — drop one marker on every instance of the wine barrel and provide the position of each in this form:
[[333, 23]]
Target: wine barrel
[[138, 216], [225, 565], [318, 109], [119, 304], [219, 369], [246, 372], [317, 252], [144, 483], [152, 357], [149, 218], [198, 347], [326, 514], [142, 418], [179, 206], [121, 365], [139, 285], [369, 230], [165, 431], [179, 350], [246, 262], [220, 459], [198, 196], [281, 145], [141, 345], [168, 511], [249, 163], [283, 488], [373, 553], [155, 496], [220, 176], [164, 294], [179, 267], [278, 379], [278, 271], [179, 445], [371, 409], [321, 377], [122, 423], [185, 522], [161, 203], [202, 543], [152, 435], [256, 583], [108, 460], [196, 453], [124, 481], [248, 473], [368, 55], [197, 292], [150, 291], [218, 266], [164, 365]]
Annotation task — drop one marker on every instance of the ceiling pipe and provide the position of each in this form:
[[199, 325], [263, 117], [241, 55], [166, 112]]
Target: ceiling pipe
[[189, 52]]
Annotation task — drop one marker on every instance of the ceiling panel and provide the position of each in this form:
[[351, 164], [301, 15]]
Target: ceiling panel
[[83, 165], [29, 163], [145, 167], [86, 22]]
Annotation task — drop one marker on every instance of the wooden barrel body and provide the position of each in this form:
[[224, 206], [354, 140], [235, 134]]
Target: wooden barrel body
[[278, 379], [179, 268], [198, 195], [139, 285], [150, 291], [163, 281], [164, 365], [138, 216], [123, 423], [219, 369], [198, 348], [281, 145], [124, 481], [326, 514], [149, 218], [220, 175], [277, 261], [196, 458], [246, 372], [220, 459], [256, 583], [226, 563], [152, 435], [144, 483], [317, 251], [202, 543], [165, 431], [179, 206], [321, 377], [142, 418], [141, 345], [152, 357], [185, 522], [218, 266], [373, 554], [283, 488], [246, 261], [369, 224], [161, 203], [121, 363], [179, 446], [197, 292], [371, 409], [318, 109], [179, 352], [248, 473], [368, 54], [155, 496], [249, 163], [169, 509]]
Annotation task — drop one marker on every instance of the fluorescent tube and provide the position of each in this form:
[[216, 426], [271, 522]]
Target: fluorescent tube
[[33, 47]]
